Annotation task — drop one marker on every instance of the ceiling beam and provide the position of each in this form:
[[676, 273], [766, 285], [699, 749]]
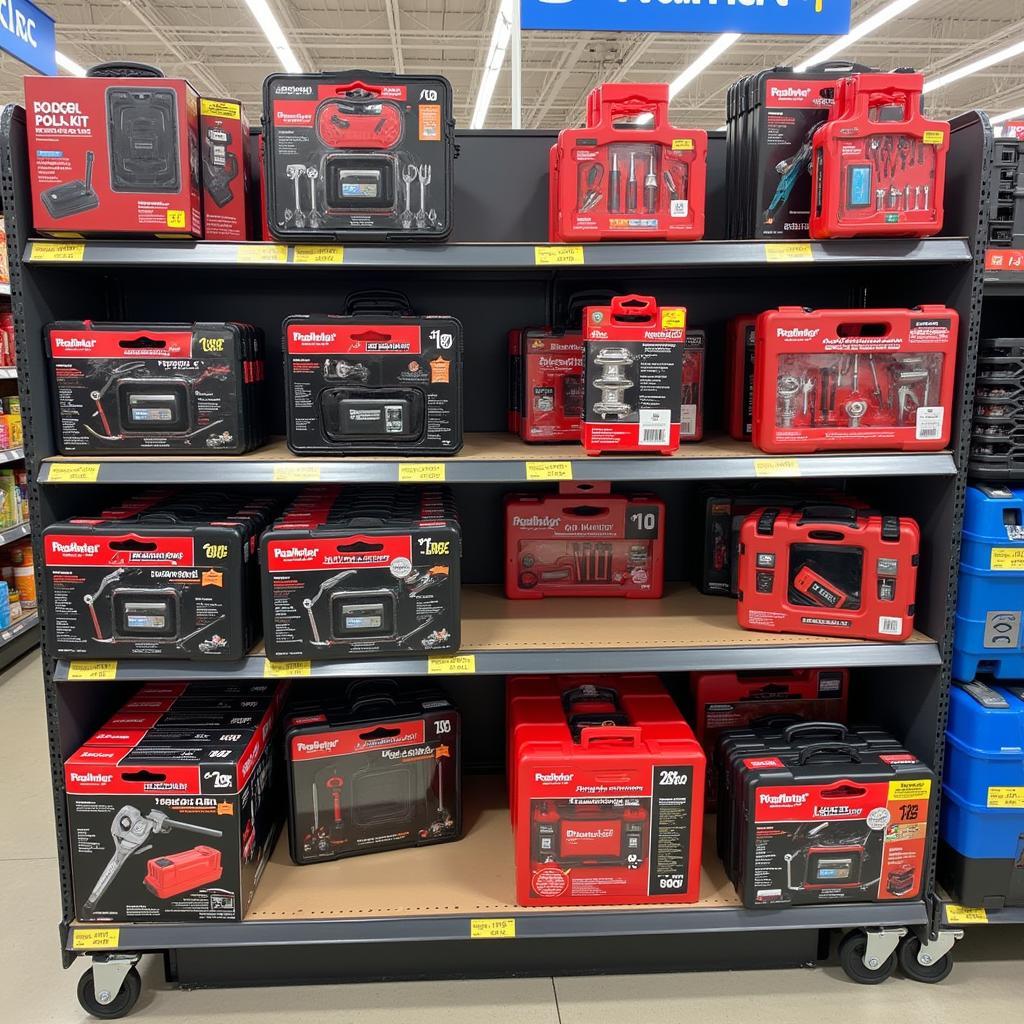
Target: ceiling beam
[[555, 83], [395, 28]]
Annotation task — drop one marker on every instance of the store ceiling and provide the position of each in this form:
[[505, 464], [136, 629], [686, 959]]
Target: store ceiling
[[219, 46]]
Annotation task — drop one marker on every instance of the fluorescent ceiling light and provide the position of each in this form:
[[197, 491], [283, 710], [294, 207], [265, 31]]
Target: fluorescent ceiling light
[[866, 27], [999, 57], [495, 58], [72, 67], [706, 59], [1009, 115], [272, 30]]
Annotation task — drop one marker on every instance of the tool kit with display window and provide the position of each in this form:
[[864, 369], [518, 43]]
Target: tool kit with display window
[[836, 379], [990, 597], [828, 570], [584, 541], [121, 388], [363, 572], [176, 579], [981, 859], [358, 155], [628, 174], [376, 768], [633, 376], [204, 815], [997, 428], [607, 792], [224, 143], [879, 165], [111, 154], [377, 381]]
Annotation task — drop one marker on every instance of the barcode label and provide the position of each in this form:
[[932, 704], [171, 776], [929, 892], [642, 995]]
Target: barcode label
[[679, 207], [688, 421], [890, 625], [655, 427], [929, 422]]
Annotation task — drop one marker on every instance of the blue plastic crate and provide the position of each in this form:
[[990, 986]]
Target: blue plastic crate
[[980, 832]]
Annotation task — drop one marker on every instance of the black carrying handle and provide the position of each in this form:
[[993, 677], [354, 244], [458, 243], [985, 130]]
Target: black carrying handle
[[378, 301], [577, 302], [844, 515], [828, 748], [836, 728], [590, 693], [775, 721], [377, 700]]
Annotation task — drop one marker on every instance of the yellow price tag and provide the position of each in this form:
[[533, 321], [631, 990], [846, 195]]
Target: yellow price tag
[[549, 471], [910, 789], [220, 108], [673, 318], [331, 254], [492, 928], [295, 473], [72, 472], [57, 252], [285, 669], [776, 467], [955, 914], [92, 670], [1006, 559], [788, 252], [261, 253], [933, 138], [175, 218], [421, 473], [1006, 796], [456, 665], [96, 938], [558, 255], [679, 145]]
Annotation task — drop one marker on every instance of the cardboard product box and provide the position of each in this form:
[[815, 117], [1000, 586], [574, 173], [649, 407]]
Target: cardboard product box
[[224, 142]]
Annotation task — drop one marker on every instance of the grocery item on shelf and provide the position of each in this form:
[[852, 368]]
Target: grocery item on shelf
[[608, 795], [224, 142], [842, 379], [828, 570], [376, 766], [363, 572], [10, 498], [981, 859], [7, 613], [359, 156], [378, 380], [195, 388], [194, 848], [19, 556], [584, 541], [8, 353], [5, 270], [997, 430]]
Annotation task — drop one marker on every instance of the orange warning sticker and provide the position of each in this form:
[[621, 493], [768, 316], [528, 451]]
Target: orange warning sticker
[[440, 371], [430, 122]]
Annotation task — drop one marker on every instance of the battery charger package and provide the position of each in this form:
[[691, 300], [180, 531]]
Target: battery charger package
[[224, 143], [363, 572], [377, 381], [121, 388], [839, 379], [376, 769], [358, 156], [828, 571]]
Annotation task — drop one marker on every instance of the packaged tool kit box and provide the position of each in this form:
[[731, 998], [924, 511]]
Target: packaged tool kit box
[[122, 388], [990, 597], [224, 142], [358, 156], [981, 862], [997, 428], [546, 384], [114, 156], [1006, 192], [828, 380], [376, 381], [740, 336], [363, 572], [176, 823], [879, 165], [628, 174], [584, 541], [177, 578], [377, 767], [828, 571], [633, 376], [608, 798]]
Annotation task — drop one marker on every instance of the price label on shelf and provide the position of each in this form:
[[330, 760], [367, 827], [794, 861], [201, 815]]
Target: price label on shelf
[[457, 665], [92, 671], [318, 254], [57, 252], [549, 471], [286, 669], [96, 938], [72, 472], [258, 252], [421, 473], [296, 473], [492, 928], [558, 255], [955, 914], [1006, 559], [788, 252], [776, 467]]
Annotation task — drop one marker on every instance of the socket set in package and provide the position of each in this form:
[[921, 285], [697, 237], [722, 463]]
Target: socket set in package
[[997, 428], [358, 155]]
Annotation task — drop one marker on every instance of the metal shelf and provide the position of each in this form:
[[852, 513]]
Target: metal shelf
[[496, 458], [5, 288], [18, 638], [13, 533], [8, 372], [11, 455]]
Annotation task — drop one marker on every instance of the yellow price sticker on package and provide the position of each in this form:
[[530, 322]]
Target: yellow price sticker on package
[[1006, 559], [1006, 796], [175, 218], [492, 928]]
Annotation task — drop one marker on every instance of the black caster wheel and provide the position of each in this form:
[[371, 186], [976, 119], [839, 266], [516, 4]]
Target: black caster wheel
[[851, 957], [928, 974], [123, 1003]]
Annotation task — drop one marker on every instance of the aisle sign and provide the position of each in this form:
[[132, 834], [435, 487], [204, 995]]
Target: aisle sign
[[27, 33]]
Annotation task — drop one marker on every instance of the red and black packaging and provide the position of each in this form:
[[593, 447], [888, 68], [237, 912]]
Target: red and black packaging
[[175, 388], [741, 333], [691, 411], [879, 165], [584, 541], [608, 790], [359, 156], [363, 572], [839, 379], [224, 142], [546, 385], [379, 384], [376, 768], [172, 827], [633, 376], [114, 156], [628, 174], [828, 571]]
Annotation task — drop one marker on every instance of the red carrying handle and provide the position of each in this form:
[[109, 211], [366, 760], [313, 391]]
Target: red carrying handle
[[865, 93], [623, 735], [634, 308], [615, 100]]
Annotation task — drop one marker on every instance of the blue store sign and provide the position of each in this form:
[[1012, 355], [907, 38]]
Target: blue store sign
[[27, 33], [775, 17]]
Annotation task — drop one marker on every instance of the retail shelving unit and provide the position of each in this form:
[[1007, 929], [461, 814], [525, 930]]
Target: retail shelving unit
[[415, 913]]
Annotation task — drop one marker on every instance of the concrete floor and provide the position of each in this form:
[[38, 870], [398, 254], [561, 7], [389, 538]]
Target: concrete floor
[[986, 983]]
